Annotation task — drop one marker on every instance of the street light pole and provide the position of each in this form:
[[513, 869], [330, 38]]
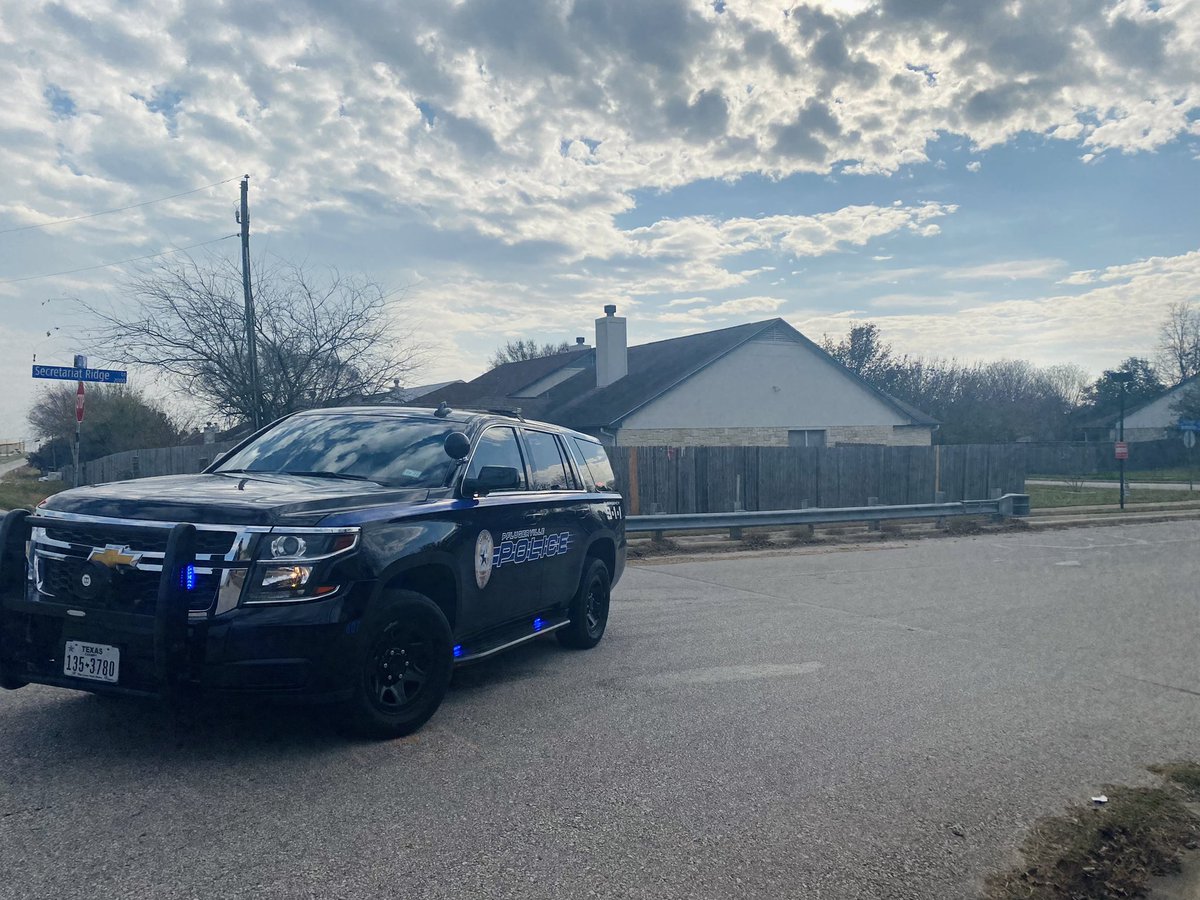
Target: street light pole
[[1123, 379], [1121, 438]]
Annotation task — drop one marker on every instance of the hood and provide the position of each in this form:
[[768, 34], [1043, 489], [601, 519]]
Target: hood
[[242, 499]]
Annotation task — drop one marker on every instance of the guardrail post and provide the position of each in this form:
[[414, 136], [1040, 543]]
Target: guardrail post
[[735, 534], [939, 497], [873, 525]]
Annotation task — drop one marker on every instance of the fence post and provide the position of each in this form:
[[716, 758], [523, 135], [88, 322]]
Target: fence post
[[634, 500], [939, 497]]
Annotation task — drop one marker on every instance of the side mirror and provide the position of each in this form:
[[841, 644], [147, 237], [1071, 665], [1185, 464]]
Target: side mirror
[[457, 445], [492, 478]]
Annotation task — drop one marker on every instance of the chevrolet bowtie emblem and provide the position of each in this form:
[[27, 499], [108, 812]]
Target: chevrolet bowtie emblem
[[115, 555]]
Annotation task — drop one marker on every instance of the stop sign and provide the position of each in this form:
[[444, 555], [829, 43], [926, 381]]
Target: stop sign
[[79, 403]]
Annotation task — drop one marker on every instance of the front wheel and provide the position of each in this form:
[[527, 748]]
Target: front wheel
[[588, 609], [404, 667]]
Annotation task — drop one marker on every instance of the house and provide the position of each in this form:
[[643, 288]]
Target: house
[[1150, 421], [758, 384]]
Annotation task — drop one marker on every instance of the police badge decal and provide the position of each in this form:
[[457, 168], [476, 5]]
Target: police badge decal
[[483, 558]]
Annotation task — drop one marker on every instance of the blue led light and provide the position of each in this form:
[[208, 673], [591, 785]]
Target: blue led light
[[458, 650], [187, 577], [537, 624]]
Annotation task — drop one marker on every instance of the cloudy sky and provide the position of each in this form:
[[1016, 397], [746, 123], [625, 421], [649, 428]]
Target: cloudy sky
[[982, 179]]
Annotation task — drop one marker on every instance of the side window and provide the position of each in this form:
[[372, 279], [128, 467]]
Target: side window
[[549, 471], [596, 466], [497, 447]]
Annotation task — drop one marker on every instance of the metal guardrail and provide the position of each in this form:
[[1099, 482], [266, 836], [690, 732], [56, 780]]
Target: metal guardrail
[[1001, 507]]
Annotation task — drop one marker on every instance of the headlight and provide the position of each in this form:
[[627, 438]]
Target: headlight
[[295, 565]]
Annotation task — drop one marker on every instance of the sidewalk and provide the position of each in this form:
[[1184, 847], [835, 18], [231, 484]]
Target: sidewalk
[[1129, 485]]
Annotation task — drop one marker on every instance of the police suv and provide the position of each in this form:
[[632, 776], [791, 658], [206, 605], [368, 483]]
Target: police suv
[[352, 556]]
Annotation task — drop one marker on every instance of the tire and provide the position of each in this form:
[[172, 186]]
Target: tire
[[588, 608], [403, 667]]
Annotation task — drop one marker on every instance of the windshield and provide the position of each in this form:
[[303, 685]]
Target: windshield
[[395, 451]]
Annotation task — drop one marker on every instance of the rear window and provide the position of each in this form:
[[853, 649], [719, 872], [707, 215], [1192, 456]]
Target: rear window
[[596, 470]]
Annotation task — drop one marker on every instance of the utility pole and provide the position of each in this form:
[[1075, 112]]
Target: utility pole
[[251, 343]]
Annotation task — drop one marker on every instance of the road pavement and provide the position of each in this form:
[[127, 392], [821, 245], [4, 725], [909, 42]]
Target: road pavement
[[878, 722], [11, 465]]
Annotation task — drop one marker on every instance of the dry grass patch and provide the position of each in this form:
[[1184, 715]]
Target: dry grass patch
[[1107, 850]]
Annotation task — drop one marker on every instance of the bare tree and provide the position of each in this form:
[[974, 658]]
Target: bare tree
[[323, 339], [518, 350], [1067, 381], [1179, 342]]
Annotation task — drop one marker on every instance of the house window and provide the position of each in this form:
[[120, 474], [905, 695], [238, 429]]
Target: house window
[[811, 437]]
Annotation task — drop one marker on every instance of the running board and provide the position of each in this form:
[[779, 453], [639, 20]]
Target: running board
[[490, 644]]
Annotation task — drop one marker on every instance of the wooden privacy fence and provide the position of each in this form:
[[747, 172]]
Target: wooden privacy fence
[[144, 463], [722, 479]]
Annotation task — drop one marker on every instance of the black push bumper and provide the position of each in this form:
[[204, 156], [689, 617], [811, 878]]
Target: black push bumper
[[289, 652]]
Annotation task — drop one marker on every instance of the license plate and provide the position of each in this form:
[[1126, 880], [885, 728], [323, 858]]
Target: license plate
[[97, 662]]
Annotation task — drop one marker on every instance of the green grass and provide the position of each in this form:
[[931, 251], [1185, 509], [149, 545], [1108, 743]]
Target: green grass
[[20, 488], [1182, 474], [1044, 497]]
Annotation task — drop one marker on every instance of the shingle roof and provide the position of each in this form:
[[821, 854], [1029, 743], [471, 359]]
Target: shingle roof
[[502, 383], [654, 369]]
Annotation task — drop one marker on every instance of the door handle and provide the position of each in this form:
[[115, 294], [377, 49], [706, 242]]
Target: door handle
[[539, 514]]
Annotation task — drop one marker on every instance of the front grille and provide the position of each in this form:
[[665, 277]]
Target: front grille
[[142, 539], [128, 590]]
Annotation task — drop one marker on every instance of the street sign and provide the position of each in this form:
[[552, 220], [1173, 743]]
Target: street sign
[[1121, 450], [71, 373], [1189, 439], [79, 403], [1189, 424]]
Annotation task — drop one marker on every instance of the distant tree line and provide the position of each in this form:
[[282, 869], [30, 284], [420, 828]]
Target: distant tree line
[[1010, 400]]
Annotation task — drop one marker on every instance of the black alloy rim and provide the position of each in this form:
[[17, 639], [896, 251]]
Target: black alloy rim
[[596, 607], [400, 669]]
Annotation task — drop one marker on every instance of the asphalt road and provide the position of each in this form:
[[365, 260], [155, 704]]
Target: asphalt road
[[878, 722]]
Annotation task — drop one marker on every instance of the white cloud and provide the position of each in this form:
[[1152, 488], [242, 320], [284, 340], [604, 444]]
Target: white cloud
[[1100, 327], [974, 166], [816, 235], [1012, 270]]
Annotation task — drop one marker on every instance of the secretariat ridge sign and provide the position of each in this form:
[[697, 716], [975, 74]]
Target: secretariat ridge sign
[[71, 373]]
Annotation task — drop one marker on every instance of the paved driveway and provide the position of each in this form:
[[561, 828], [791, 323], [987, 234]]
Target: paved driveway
[[876, 722]]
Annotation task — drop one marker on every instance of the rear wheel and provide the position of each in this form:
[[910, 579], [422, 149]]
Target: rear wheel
[[404, 667], [588, 609]]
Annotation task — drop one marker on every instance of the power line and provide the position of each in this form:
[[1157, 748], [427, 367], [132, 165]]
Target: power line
[[120, 262], [105, 212]]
